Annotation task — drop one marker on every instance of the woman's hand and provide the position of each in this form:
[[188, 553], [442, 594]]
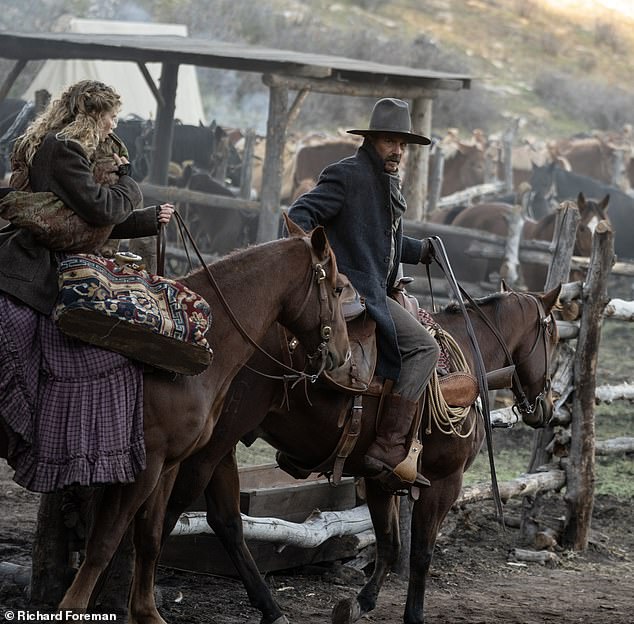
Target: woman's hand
[[123, 165], [165, 212]]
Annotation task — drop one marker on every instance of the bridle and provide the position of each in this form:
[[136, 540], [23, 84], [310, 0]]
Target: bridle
[[319, 358], [546, 322], [318, 277]]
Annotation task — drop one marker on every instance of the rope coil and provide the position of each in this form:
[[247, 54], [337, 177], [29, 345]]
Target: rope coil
[[448, 419]]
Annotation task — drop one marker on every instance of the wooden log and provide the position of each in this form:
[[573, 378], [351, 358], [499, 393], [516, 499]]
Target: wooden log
[[504, 417], [568, 330], [481, 191], [416, 167], [618, 268], [564, 241], [164, 127], [580, 469], [524, 485], [571, 291], [620, 309], [319, 527], [509, 270], [175, 194], [615, 446], [607, 394], [246, 171], [435, 179], [543, 557], [268, 223], [480, 249]]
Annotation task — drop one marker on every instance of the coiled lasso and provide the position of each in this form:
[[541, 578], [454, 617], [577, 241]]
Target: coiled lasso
[[449, 420]]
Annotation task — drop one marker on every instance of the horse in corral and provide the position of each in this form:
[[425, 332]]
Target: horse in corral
[[552, 184], [293, 281], [494, 218], [308, 427]]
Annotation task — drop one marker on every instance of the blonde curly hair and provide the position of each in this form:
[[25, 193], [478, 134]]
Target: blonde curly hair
[[76, 116]]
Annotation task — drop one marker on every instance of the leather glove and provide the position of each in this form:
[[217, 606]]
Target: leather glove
[[427, 251], [124, 169]]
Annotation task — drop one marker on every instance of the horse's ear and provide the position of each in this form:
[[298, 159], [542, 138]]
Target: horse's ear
[[320, 242], [603, 205], [504, 286], [581, 201], [292, 228], [549, 299]]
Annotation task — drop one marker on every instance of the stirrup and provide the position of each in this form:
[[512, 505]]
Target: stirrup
[[393, 484]]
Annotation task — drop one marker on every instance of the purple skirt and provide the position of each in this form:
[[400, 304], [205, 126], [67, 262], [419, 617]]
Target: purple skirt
[[71, 413]]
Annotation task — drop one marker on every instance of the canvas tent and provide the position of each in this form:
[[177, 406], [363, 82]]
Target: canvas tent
[[125, 77]]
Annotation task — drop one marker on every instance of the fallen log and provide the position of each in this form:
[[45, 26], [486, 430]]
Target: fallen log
[[317, 528], [619, 309], [607, 394], [543, 557], [615, 446], [524, 485]]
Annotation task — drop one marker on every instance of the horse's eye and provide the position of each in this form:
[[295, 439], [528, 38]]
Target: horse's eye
[[338, 290]]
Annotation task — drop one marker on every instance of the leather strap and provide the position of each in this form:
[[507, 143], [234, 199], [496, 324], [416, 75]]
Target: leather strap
[[161, 242]]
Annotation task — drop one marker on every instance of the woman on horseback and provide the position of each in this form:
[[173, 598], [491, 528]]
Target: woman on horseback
[[71, 413]]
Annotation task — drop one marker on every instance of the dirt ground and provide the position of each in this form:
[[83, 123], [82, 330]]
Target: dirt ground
[[472, 580]]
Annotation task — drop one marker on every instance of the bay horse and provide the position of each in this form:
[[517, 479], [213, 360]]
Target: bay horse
[[293, 281], [494, 218], [305, 426]]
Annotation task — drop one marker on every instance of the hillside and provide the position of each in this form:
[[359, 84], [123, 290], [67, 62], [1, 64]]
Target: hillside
[[562, 66]]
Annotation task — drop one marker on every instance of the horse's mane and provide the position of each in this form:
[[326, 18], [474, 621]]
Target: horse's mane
[[453, 307]]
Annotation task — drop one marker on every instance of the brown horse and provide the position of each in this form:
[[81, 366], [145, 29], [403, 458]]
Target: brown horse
[[293, 281], [304, 427], [494, 218]]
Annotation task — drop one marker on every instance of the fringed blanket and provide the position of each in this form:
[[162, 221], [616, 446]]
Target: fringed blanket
[[73, 413]]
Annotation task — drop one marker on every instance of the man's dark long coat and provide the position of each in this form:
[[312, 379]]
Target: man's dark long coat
[[352, 201]]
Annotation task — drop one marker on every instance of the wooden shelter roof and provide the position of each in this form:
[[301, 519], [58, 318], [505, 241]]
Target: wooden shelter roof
[[221, 55]]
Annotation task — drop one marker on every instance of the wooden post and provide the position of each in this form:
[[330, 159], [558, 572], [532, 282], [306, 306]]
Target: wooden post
[[417, 166], [268, 224], [11, 77], [49, 577], [563, 244], [509, 271], [164, 128], [246, 171], [436, 177], [580, 467], [507, 155]]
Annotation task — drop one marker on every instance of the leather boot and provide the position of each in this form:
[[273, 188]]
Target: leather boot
[[390, 449]]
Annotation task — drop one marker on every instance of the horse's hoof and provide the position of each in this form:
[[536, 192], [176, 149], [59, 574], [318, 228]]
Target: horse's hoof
[[280, 620], [346, 611]]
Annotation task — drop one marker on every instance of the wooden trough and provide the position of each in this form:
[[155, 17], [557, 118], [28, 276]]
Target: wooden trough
[[268, 492]]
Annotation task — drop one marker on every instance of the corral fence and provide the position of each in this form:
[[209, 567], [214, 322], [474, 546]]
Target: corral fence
[[563, 453]]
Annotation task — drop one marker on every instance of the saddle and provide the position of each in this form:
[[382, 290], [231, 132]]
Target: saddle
[[459, 388], [356, 377]]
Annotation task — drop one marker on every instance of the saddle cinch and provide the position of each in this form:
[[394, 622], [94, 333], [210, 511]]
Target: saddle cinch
[[459, 389]]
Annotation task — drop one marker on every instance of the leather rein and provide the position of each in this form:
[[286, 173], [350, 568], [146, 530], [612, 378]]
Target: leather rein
[[318, 278]]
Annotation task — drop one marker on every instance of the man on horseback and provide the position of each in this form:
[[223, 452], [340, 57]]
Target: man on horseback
[[359, 202]]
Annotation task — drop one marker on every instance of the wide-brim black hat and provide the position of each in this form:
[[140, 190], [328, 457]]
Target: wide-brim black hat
[[391, 116]]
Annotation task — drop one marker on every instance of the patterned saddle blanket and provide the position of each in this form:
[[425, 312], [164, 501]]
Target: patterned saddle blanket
[[152, 319]]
